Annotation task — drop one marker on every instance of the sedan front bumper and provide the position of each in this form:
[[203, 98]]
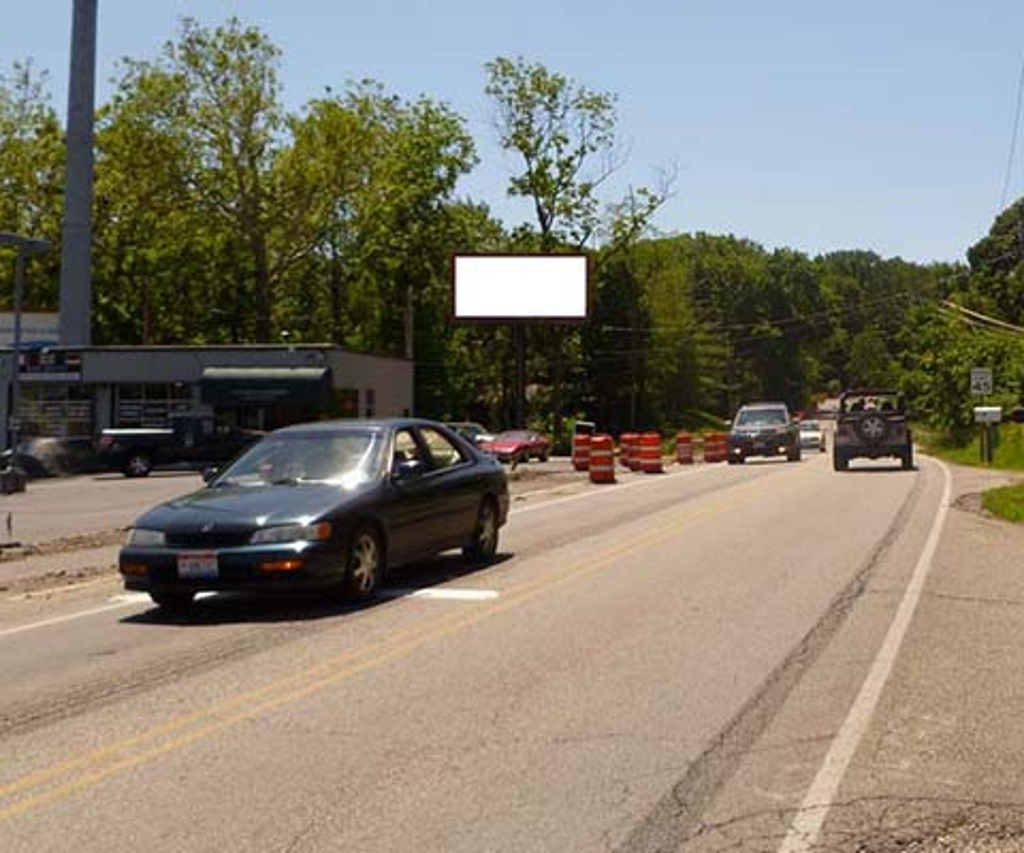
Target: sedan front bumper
[[294, 566]]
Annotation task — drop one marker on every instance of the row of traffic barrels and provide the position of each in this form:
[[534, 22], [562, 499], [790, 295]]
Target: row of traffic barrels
[[640, 452]]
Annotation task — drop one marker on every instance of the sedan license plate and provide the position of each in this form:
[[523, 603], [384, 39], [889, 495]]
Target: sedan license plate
[[198, 565]]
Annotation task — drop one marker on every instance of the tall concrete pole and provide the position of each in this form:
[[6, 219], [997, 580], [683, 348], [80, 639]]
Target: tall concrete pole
[[76, 252]]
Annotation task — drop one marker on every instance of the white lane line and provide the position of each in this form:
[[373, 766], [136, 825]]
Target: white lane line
[[442, 594], [125, 600], [803, 832], [56, 620]]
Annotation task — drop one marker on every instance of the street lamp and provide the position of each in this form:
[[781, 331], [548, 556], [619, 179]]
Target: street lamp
[[24, 246]]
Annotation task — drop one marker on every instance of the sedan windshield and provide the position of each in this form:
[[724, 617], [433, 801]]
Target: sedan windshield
[[761, 417], [290, 459]]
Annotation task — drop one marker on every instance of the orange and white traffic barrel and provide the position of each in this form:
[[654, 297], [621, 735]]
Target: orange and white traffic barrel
[[627, 448], [716, 447], [602, 459], [581, 452], [650, 453], [684, 448], [635, 462]]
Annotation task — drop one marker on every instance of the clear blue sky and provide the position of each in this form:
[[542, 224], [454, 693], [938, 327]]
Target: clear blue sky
[[804, 123]]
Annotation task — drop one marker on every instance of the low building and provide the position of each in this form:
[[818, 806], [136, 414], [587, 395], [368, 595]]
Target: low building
[[74, 392]]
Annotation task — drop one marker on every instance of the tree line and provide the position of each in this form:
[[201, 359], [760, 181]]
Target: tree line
[[221, 217]]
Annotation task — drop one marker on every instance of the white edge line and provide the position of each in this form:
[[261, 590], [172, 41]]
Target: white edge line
[[807, 824]]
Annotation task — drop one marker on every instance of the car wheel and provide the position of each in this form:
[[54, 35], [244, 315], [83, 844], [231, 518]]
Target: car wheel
[[543, 457], [138, 465], [840, 463], [908, 459], [484, 544], [173, 602], [364, 564]]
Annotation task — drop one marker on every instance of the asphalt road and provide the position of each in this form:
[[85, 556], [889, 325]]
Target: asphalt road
[[668, 664]]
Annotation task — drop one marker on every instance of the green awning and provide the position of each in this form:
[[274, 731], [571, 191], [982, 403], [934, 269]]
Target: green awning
[[262, 386]]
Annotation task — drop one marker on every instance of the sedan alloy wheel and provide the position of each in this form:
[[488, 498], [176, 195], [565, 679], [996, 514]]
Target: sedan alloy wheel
[[364, 564]]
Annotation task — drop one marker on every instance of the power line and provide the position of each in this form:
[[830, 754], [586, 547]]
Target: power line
[[1013, 138]]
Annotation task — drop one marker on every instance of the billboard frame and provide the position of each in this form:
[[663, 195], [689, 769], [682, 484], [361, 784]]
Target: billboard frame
[[525, 319]]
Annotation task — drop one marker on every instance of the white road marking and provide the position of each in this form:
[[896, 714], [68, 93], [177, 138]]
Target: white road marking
[[143, 597], [115, 602], [129, 598], [803, 832], [56, 620], [442, 594]]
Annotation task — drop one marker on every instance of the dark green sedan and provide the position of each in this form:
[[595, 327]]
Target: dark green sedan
[[328, 505]]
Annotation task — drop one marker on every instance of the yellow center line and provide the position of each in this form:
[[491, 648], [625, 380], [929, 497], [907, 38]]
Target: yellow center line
[[315, 678]]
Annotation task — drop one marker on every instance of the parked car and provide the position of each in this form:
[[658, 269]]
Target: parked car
[[42, 457], [519, 445], [872, 424], [474, 432], [763, 429], [812, 436], [190, 440], [330, 505]]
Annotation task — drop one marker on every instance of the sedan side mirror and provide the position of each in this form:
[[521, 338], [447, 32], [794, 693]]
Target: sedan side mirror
[[407, 469]]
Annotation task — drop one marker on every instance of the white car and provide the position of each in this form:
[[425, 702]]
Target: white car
[[812, 436]]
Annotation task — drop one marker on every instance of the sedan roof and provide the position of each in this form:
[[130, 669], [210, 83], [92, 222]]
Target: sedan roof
[[358, 425]]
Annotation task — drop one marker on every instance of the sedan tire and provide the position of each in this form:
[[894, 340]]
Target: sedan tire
[[138, 465], [364, 564], [484, 544]]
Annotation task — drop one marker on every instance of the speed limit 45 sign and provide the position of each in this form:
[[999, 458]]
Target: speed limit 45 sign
[[981, 381]]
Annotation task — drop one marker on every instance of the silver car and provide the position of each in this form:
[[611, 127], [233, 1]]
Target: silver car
[[812, 436]]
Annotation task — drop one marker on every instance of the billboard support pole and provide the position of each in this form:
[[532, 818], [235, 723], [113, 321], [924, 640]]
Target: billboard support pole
[[519, 333]]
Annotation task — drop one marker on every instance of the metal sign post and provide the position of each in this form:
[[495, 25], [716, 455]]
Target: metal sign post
[[987, 417], [24, 246]]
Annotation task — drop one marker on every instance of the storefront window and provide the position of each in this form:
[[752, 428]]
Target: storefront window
[[150, 405], [56, 411]]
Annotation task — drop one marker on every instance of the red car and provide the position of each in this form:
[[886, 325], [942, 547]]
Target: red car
[[519, 445]]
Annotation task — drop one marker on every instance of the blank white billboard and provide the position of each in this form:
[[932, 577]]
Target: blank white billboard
[[520, 287]]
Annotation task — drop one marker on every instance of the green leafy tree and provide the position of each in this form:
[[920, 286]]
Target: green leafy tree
[[31, 175]]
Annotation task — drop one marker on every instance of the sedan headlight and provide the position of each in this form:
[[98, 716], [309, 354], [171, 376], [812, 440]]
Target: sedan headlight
[[144, 538], [292, 533]]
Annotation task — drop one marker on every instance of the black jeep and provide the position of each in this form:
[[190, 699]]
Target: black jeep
[[871, 423]]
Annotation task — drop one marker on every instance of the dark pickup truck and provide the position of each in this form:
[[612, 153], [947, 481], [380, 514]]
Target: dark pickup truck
[[190, 441]]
